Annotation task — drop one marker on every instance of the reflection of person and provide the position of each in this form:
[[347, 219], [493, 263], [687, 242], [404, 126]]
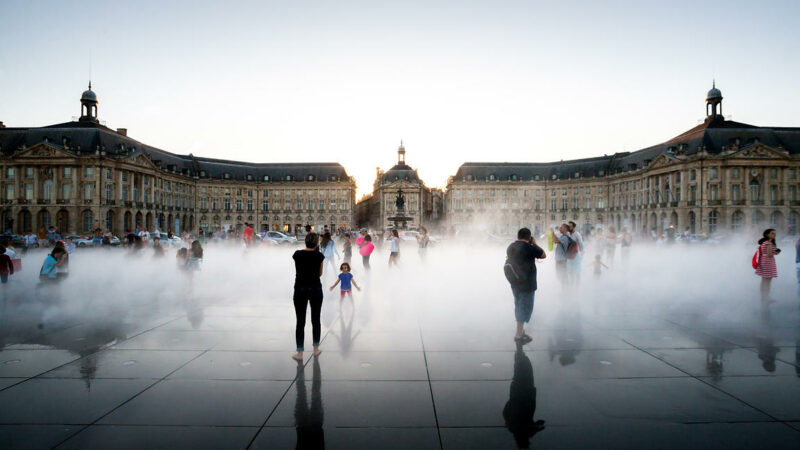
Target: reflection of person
[[521, 406], [308, 421]]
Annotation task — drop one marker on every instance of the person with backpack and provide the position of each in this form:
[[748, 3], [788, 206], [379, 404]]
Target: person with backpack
[[764, 262], [574, 263], [562, 247], [520, 271]]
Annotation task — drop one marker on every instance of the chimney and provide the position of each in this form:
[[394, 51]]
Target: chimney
[[122, 131]]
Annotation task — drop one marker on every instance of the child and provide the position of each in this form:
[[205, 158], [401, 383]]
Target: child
[[598, 265], [346, 278], [347, 248], [182, 258], [6, 267]]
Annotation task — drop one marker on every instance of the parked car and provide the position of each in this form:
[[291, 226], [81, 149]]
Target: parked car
[[15, 239], [280, 238], [167, 242], [80, 241]]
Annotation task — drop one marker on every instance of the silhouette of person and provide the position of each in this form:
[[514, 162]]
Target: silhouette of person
[[308, 420], [521, 405]]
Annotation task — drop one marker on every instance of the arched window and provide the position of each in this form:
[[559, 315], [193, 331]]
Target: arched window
[[737, 220], [289, 178], [469, 177], [712, 221], [492, 177], [310, 178], [87, 221], [514, 177]]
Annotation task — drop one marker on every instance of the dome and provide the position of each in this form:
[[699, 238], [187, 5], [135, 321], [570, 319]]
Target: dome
[[714, 93], [400, 172], [89, 95]]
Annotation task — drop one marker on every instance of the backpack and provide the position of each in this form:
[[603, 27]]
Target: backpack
[[513, 274], [572, 248], [757, 258]]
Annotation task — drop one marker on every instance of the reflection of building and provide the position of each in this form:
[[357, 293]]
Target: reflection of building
[[81, 175], [719, 174], [375, 209]]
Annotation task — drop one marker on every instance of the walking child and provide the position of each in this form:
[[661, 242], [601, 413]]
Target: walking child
[[345, 277]]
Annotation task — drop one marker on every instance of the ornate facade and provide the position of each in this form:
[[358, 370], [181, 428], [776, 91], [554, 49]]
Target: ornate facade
[[375, 209], [82, 175], [718, 175]]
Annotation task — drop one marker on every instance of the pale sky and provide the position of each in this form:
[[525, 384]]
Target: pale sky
[[344, 81]]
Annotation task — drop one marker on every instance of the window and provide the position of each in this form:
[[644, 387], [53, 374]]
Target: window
[[692, 193], [29, 172], [47, 190], [310, 204], [203, 203], [773, 194], [713, 173], [736, 193], [599, 189], [238, 205], [736, 221], [713, 192], [265, 194], [793, 193], [773, 174], [552, 204], [124, 193], [10, 172], [692, 175], [677, 195], [677, 179], [28, 192], [9, 192], [87, 221], [792, 174], [712, 221], [588, 203], [87, 191], [266, 178], [333, 204], [215, 204], [67, 172], [736, 173], [538, 204], [265, 205], [601, 203], [322, 204], [227, 204], [588, 191], [125, 177], [66, 189], [755, 191]]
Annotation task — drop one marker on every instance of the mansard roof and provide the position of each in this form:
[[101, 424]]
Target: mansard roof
[[712, 136], [87, 138]]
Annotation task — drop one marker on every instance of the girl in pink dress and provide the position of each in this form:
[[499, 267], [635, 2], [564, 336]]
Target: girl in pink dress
[[767, 269]]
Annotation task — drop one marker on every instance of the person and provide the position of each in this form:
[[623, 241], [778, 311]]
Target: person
[[8, 250], [130, 237], [574, 265], [328, 249], [97, 238], [561, 246], [366, 250], [6, 267], [625, 244], [182, 257], [201, 236], [307, 290], [522, 255], [30, 241], [69, 246], [598, 265], [158, 250], [767, 270], [51, 235], [49, 271], [138, 244], [195, 256], [345, 277], [394, 247], [611, 244], [423, 239], [247, 234], [347, 248], [42, 238]]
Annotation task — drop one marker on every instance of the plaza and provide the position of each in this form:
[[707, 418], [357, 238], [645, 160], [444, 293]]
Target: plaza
[[420, 359]]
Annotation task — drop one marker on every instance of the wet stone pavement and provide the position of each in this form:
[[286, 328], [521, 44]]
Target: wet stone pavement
[[395, 375]]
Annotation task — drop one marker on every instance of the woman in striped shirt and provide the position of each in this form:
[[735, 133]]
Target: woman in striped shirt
[[767, 269]]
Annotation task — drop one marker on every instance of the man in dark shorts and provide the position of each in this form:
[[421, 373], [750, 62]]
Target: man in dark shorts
[[522, 255]]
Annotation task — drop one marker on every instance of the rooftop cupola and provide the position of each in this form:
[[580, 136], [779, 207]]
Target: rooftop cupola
[[401, 154], [88, 105], [713, 102]]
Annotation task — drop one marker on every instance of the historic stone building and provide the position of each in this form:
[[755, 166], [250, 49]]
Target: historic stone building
[[375, 209], [718, 175], [81, 175]]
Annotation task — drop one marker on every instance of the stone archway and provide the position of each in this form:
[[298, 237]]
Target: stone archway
[[62, 221], [43, 219], [24, 221]]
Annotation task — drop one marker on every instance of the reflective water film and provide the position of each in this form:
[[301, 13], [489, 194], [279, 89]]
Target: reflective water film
[[659, 346]]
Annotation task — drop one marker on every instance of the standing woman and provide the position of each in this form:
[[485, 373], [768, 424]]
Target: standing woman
[[307, 289], [394, 248], [328, 249], [767, 269], [423, 239]]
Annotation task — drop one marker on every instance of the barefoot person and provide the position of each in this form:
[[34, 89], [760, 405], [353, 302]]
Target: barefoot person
[[521, 273], [307, 289]]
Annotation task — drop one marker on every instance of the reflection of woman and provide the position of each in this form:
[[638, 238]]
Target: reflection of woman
[[308, 421], [521, 406]]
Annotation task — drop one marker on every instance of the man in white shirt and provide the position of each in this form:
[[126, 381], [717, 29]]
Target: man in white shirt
[[30, 241]]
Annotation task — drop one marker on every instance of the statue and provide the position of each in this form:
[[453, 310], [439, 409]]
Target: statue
[[400, 202]]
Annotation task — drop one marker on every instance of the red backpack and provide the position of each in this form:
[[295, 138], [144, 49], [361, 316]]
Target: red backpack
[[757, 258]]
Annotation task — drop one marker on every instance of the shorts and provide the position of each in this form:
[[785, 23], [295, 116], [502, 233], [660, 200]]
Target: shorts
[[347, 292], [523, 305], [3, 278], [394, 254]]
